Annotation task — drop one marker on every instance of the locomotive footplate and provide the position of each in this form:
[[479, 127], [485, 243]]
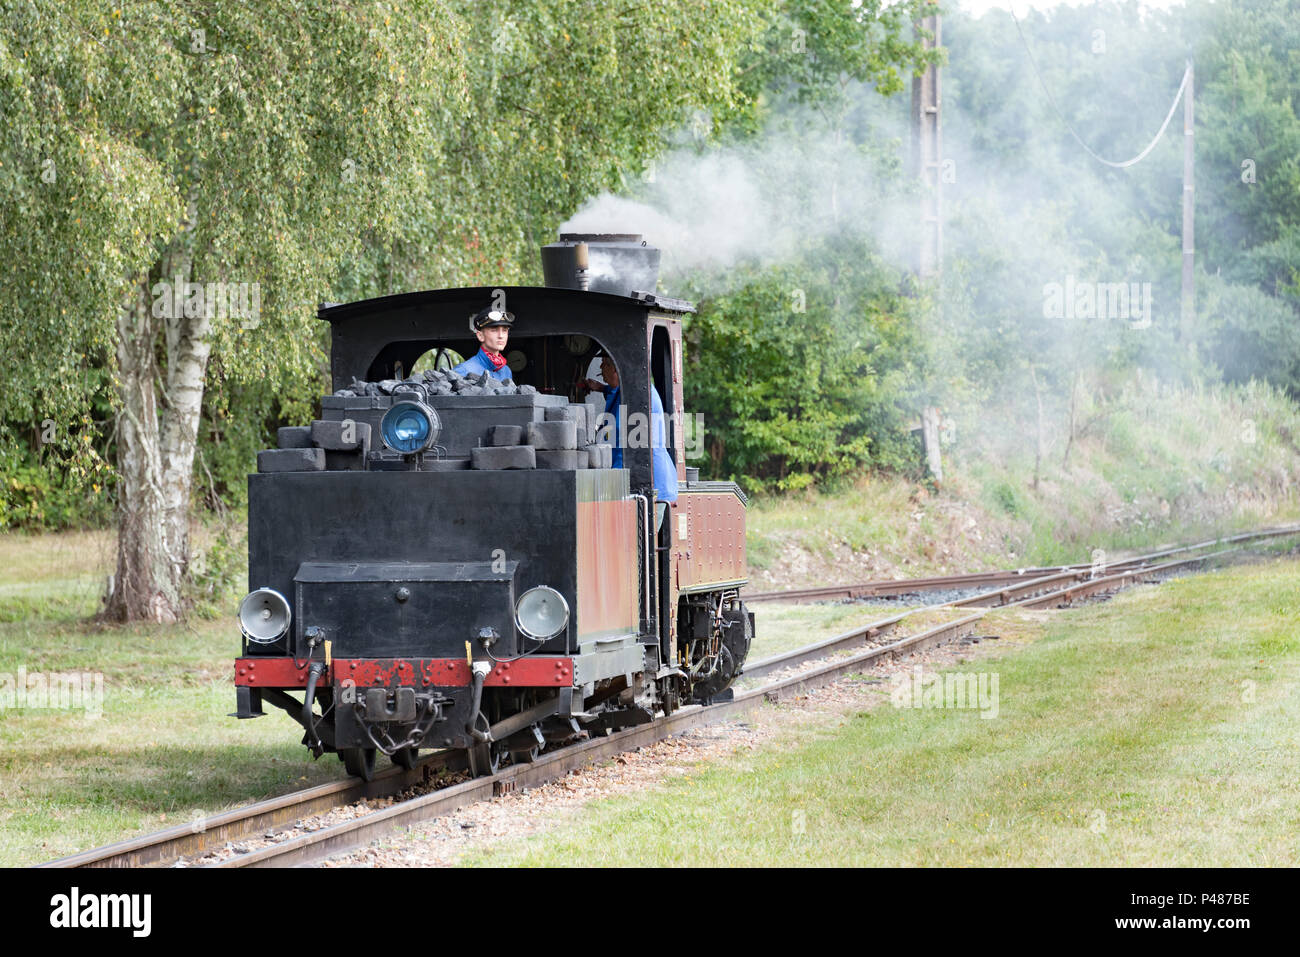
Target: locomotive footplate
[[535, 671], [388, 703]]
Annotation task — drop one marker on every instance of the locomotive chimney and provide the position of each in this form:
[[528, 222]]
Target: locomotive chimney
[[618, 263], [581, 262]]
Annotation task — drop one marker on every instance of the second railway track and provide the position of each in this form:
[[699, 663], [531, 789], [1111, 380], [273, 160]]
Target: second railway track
[[1012, 577]]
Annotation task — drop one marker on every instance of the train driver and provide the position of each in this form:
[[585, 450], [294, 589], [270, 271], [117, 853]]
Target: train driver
[[665, 472], [492, 327]]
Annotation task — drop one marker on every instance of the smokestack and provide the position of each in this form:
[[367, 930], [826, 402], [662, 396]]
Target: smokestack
[[618, 263], [581, 261]]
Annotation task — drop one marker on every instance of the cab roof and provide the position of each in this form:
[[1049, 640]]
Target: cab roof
[[439, 299]]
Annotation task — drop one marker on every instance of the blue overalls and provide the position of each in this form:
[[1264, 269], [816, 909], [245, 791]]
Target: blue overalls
[[665, 472], [479, 363]]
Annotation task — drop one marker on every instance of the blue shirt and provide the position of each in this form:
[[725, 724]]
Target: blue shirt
[[665, 472], [479, 363]]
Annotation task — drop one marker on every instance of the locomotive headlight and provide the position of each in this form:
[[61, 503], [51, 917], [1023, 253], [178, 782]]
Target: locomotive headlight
[[409, 427], [541, 612], [264, 615]]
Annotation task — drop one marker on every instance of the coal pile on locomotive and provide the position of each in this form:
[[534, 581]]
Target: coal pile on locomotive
[[438, 382], [565, 436], [448, 561]]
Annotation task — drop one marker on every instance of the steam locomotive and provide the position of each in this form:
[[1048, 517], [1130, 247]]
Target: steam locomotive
[[442, 562]]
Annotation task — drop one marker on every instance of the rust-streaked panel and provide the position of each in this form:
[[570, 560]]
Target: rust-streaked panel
[[608, 598], [713, 547]]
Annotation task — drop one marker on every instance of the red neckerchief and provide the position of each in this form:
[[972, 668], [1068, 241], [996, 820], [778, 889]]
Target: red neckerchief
[[496, 358]]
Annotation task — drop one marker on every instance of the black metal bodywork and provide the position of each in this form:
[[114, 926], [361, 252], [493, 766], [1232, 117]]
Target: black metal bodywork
[[321, 536], [405, 566]]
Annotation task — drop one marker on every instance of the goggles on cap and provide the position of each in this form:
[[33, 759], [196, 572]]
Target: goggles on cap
[[493, 317]]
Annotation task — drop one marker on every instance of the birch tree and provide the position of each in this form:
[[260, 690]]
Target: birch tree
[[181, 178]]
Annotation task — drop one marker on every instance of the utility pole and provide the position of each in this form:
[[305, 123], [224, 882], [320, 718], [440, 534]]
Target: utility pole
[[927, 153], [1188, 311]]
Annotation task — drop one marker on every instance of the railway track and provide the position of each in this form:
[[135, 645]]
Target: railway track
[[831, 660], [889, 588]]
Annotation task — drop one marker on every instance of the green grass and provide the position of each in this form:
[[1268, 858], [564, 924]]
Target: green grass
[[52, 577], [1155, 729], [1149, 465], [163, 749], [861, 517]]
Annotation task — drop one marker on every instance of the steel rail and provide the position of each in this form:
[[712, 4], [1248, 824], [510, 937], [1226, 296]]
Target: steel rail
[[1114, 582], [349, 835], [885, 587], [853, 637], [211, 833]]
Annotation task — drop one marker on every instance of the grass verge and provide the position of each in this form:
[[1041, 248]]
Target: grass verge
[[1155, 729], [162, 750]]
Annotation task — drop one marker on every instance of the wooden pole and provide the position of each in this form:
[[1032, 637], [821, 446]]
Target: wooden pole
[[1188, 310], [927, 155]]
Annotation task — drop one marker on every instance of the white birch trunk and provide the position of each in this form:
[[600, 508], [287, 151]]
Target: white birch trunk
[[157, 434], [189, 344]]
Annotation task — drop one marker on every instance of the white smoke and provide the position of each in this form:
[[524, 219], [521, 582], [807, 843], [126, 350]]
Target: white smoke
[[706, 210], [760, 202]]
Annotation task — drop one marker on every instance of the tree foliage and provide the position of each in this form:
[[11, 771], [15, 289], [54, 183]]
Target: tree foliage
[[563, 100], [807, 371], [340, 152], [161, 143]]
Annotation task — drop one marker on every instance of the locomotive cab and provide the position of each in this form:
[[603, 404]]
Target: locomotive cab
[[451, 562]]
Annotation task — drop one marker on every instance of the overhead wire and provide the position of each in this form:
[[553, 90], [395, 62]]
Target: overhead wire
[[1182, 88]]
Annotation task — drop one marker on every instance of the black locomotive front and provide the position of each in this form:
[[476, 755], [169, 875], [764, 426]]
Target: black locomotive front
[[400, 583], [421, 596]]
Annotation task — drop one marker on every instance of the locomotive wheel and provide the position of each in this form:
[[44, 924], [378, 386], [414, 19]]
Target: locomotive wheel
[[484, 759], [360, 762], [406, 757], [671, 700], [737, 636]]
